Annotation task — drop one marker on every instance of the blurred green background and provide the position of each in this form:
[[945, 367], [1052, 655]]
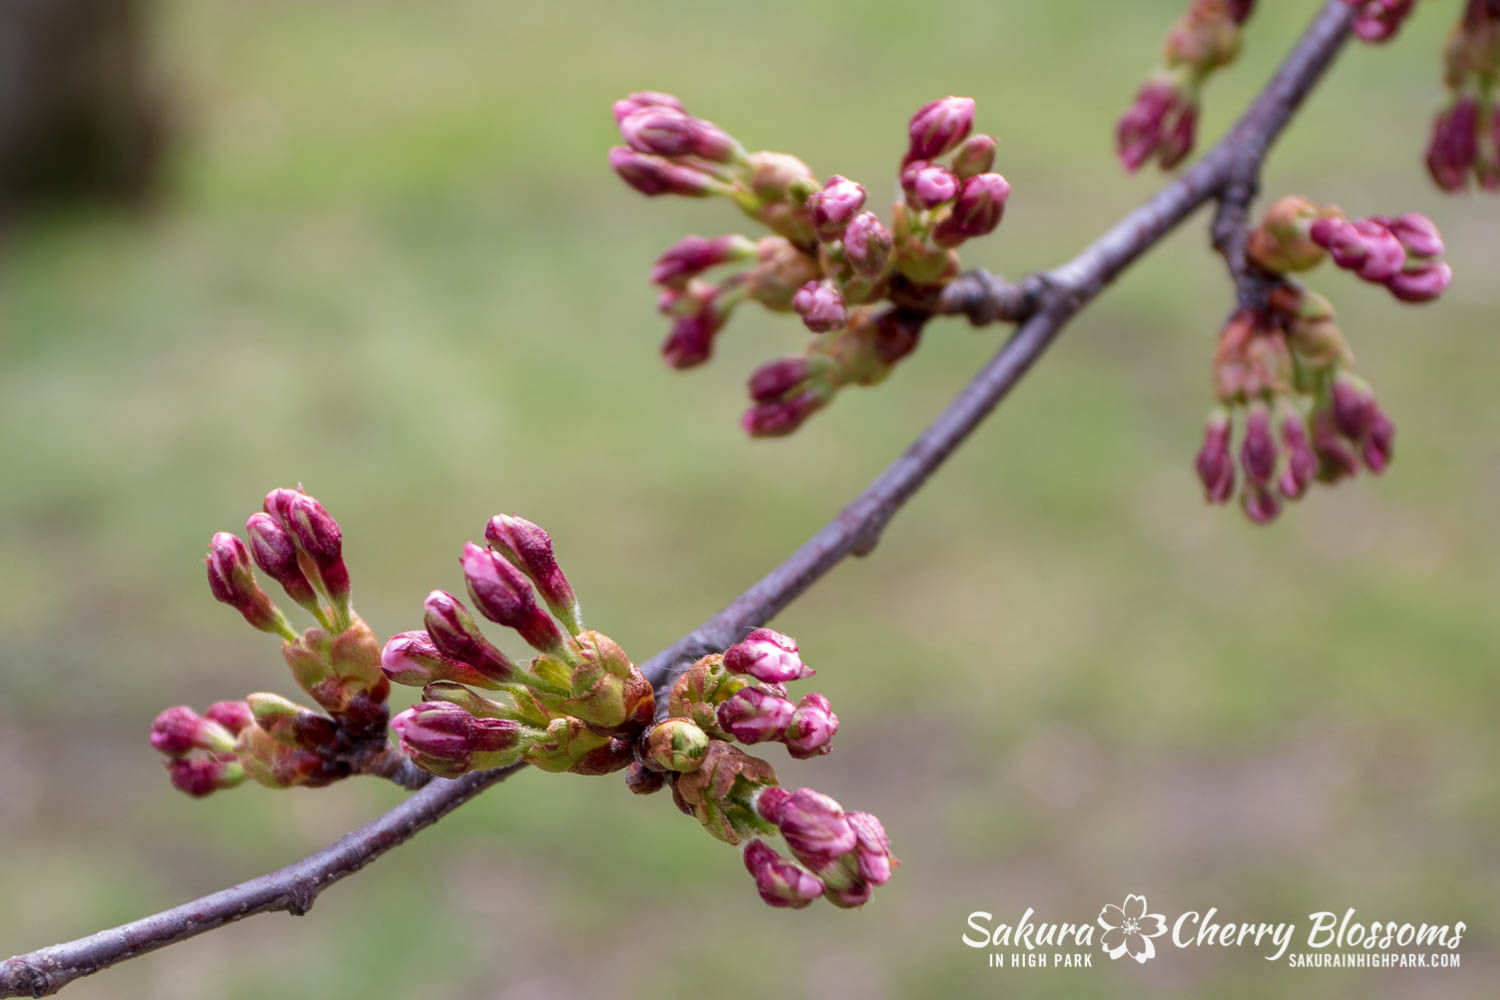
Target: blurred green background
[[390, 262]]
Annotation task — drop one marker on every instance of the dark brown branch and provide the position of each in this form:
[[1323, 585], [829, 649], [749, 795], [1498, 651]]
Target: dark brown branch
[[1046, 302]]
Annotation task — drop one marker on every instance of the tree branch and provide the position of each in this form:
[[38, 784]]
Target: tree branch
[[1045, 301]]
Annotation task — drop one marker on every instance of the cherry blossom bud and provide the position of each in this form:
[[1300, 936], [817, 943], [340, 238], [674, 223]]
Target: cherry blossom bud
[[1260, 504], [872, 848], [232, 715], [1380, 440], [319, 543], [1422, 283], [276, 555], [1214, 464], [200, 776], [1160, 123], [867, 244], [1418, 234], [755, 716], [290, 724], [668, 132], [233, 582], [529, 549], [775, 379], [1336, 459], [975, 156], [644, 99], [979, 208], [456, 635], [1378, 20], [812, 727], [675, 744], [179, 729], [821, 306], [691, 339], [1352, 403], [1364, 246], [1301, 463], [928, 185], [1455, 146], [652, 176], [780, 882], [1258, 453], [692, 255], [938, 127], [835, 205], [767, 655], [413, 659], [813, 824], [779, 417], [443, 738], [504, 596]]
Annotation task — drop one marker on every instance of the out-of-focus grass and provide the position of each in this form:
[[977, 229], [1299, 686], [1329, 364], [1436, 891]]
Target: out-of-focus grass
[[396, 268]]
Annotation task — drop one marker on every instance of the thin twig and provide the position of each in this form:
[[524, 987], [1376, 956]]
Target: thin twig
[[1047, 301]]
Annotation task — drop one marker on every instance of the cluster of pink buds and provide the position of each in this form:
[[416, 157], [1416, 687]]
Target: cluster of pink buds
[[1378, 20], [576, 706], [1162, 121], [856, 282], [844, 855], [1286, 365], [278, 743], [1466, 134]]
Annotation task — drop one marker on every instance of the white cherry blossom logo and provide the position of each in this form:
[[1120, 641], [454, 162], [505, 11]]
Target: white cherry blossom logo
[[1128, 929]]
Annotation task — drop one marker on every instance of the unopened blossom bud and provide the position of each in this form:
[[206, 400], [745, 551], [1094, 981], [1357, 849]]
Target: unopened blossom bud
[[445, 739], [775, 379], [200, 776], [767, 655], [976, 155], [978, 210], [835, 205], [1301, 462], [1258, 453], [456, 635], [780, 882], [701, 689], [529, 549], [641, 780], [1422, 283], [755, 716], [652, 176], [233, 582], [692, 255], [821, 306], [1379, 442], [1352, 403], [413, 659], [813, 824], [704, 313], [1336, 460], [675, 745], [179, 729], [1260, 504], [644, 99], [289, 723], [1160, 123], [1378, 20], [779, 417], [1418, 234], [669, 132], [1214, 463], [1455, 144], [1363, 246], [276, 555], [812, 727], [319, 543], [232, 715], [928, 185], [872, 848], [504, 596], [867, 244], [938, 127]]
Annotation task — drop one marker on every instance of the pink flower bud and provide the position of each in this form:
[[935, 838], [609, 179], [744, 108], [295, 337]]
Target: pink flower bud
[[867, 244], [1260, 504], [1418, 234], [938, 127], [1214, 464], [413, 659], [179, 729], [692, 255], [780, 882], [812, 727], [774, 419], [445, 739], [1378, 20], [276, 555], [504, 596], [644, 99], [775, 379], [1364, 246], [821, 306], [200, 776], [1380, 440], [872, 849], [318, 539], [767, 655], [691, 340], [232, 715], [754, 716], [529, 549], [1352, 402], [233, 582], [1455, 144], [456, 635], [1160, 123], [928, 185], [835, 205], [1422, 283], [1301, 463], [1336, 459], [813, 824], [980, 206], [1258, 453], [652, 176], [975, 156], [668, 132]]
